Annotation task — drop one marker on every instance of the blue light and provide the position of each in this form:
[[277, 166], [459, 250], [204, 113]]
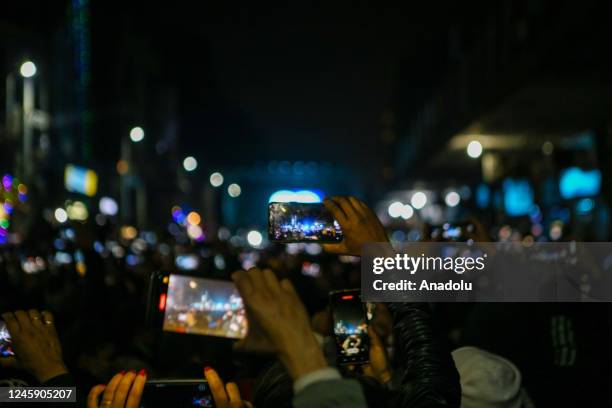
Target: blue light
[[483, 196], [585, 205], [518, 197], [575, 182], [297, 196]]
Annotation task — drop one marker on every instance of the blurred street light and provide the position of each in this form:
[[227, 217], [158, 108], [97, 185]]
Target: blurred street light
[[234, 190], [216, 179], [418, 200], [27, 69], [254, 238], [137, 134], [190, 163], [61, 215], [395, 209], [452, 198], [474, 149], [407, 212]]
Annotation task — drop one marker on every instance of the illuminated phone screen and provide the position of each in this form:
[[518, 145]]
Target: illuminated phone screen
[[6, 349], [350, 328], [204, 306], [177, 394], [299, 222]]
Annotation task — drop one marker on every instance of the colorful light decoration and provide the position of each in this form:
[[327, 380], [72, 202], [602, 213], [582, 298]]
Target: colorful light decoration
[[190, 221], [12, 193]]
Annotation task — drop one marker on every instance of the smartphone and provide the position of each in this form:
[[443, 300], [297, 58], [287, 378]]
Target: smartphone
[[6, 349], [193, 305], [301, 222], [350, 327], [177, 394], [459, 232]]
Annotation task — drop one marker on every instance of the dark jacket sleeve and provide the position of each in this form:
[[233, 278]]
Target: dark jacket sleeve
[[430, 378], [62, 380]]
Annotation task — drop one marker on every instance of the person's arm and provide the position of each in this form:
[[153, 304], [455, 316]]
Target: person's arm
[[277, 315], [430, 378]]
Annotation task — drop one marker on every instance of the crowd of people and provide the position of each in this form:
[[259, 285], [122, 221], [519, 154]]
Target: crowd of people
[[83, 325]]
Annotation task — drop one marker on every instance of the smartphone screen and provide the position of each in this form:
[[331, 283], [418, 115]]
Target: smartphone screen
[[6, 349], [350, 327], [203, 306], [177, 393], [299, 222]]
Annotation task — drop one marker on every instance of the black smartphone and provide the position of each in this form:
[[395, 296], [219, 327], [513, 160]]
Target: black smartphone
[[458, 232], [301, 222], [350, 327], [177, 394], [193, 305], [6, 349]]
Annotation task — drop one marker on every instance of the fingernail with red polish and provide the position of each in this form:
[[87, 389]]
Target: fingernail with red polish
[[207, 369], [142, 372], [122, 372]]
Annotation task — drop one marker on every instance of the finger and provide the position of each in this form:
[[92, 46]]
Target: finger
[[271, 282], [11, 323], [49, 327], [123, 389], [335, 210], [339, 248], [360, 208], [233, 393], [247, 404], [243, 283], [375, 340], [48, 318], [346, 206], [24, 320], [109, 392], [35, 318], [135, 395], [288, 288], [216, 387], [367, 370], [94, 393], [257, 280]]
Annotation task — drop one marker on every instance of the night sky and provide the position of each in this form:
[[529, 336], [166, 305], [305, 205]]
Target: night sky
[[297, 82], [302, 81]]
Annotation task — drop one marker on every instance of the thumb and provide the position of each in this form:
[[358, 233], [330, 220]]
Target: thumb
[[334, 248]]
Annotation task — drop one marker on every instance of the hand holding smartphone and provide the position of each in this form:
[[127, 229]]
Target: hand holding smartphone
[[350, 327]]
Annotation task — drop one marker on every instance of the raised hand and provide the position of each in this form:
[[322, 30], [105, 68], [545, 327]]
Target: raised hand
[[36, 345], [359, 225]]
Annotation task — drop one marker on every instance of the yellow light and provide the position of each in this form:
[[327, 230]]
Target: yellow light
[[128, 232], [22, 189], [165, 280], [122, 167], [81, 268], [91, 183], [194, 218]]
